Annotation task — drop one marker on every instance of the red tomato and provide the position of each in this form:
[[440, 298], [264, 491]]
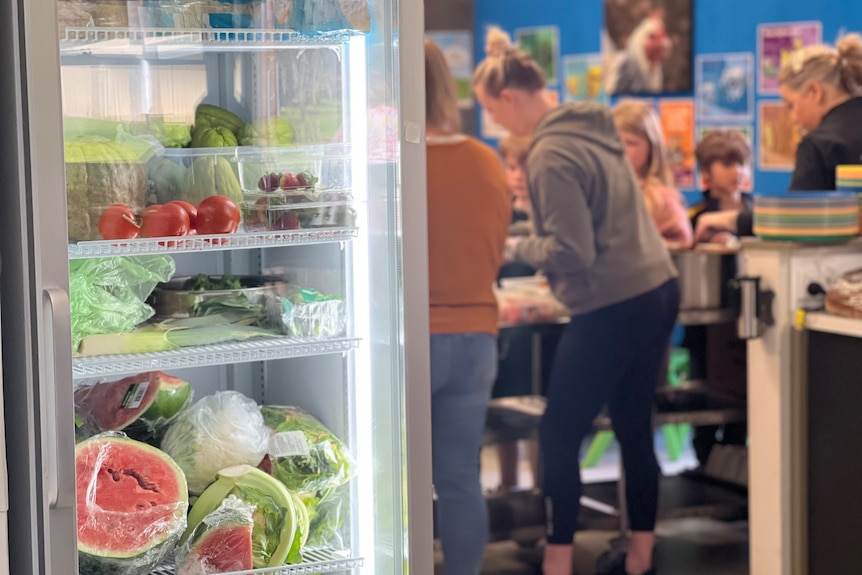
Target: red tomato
[[118, 223], [217, 215], [164, 221], [190, 210]]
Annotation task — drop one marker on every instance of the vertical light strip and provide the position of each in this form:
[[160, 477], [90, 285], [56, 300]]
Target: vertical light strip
[[362, 380]]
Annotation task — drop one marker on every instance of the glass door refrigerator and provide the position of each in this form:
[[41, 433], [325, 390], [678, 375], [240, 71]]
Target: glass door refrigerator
[[214, 287]]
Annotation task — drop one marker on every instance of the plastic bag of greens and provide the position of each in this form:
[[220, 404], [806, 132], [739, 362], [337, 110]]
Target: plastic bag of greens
[[313, 462], [108, 294], [309, 314]]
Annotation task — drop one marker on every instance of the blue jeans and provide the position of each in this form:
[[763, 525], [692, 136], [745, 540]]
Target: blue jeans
[[463, 369]]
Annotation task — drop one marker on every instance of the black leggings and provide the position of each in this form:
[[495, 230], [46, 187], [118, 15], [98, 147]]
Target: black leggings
[[609, 357]]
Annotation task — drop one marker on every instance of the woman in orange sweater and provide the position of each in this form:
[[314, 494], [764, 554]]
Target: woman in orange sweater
[[468, 220]]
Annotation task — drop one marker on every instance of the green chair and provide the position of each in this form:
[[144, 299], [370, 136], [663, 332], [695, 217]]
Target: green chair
[[675, 436]]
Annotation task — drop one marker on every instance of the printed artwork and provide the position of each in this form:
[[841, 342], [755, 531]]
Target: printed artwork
[[778, 137], [677, 124], [457, 47], [583, 78], [775, 43], [725, 87], [647, 46], [543, 44]]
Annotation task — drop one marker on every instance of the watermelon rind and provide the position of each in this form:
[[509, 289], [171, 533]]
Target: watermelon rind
[[231, 514], [173, 395], [162, 535], [243, 480], [141, 406]]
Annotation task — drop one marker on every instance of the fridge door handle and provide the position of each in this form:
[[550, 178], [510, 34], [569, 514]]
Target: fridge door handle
[[59, 423]]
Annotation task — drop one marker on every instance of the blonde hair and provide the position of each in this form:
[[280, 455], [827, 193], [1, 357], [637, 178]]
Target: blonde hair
[[517, 146], [506, 67], [441, 95], [639, 119], [840, 67]]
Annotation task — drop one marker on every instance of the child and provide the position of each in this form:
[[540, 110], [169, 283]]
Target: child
[[515, 371], [724, 157], [645, 149]]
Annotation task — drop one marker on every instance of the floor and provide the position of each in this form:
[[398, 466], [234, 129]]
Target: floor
[[686, 546]]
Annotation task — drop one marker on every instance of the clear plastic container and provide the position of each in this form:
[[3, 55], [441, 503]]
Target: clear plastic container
[[192, 174], [294, 188]]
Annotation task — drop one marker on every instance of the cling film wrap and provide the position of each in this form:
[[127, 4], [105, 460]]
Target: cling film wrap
[[308, 314], [127, 520], [313, 462], [141, 405], [108, 294], [219, 431], [192, 557]]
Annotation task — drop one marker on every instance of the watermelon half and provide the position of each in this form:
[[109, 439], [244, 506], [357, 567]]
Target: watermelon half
[[140, 405], [132, 501], [221, 543]]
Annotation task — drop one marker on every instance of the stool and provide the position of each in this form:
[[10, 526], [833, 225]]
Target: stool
[[674, 435]]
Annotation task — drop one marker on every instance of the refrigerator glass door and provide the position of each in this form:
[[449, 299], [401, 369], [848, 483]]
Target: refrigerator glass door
[[308, 130]]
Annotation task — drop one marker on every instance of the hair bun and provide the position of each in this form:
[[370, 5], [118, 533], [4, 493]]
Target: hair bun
[[849, 46], [497, 42]]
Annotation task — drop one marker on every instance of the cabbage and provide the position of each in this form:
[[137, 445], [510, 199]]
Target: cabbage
[[219, 431]]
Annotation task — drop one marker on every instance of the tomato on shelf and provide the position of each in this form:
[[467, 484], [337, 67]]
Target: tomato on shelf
[[191, 210], [118, 223], [164, 221], [217, 215]]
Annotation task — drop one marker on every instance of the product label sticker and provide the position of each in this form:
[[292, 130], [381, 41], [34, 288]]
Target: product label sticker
[[288, 444], [134, 395]]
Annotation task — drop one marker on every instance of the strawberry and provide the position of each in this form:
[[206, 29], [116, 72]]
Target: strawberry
[[289, 221], [289, 182]]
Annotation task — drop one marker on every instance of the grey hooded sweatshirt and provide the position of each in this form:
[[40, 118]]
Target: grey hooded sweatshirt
[[595, 239]]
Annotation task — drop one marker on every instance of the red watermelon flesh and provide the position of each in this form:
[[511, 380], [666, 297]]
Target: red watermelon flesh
[[131, 498], [223, 549]]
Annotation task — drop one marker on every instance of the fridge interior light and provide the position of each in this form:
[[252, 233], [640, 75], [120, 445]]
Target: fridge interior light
[[363, 409]]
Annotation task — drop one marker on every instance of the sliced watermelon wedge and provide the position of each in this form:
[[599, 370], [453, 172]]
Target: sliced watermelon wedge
[[141, 405], [221, 543], [132, 501], [275, 517]]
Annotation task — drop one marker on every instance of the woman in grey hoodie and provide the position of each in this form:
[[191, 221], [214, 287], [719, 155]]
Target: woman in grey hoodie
[[604, 258]]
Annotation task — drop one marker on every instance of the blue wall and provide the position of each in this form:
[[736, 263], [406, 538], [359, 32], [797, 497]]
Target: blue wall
[[719, 26]]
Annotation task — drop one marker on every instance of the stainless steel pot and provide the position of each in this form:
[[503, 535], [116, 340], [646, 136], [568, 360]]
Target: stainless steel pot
[[703, 277]]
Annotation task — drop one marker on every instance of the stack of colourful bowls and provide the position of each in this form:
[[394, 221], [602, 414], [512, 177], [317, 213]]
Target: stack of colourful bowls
[[817, 217], [849, 179]]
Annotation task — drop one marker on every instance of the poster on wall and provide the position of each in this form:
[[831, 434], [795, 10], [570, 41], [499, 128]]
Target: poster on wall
[[582, 78], [543, 44], [724, 85], [775, 43], [777, 138], [747, 132], [677, 124], [647, 46], [457, 47]]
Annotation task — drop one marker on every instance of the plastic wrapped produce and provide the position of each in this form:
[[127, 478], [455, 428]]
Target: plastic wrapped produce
[[316, 16], [221, 430], [222, 542], [108, 294], [276, 534], [140, 405], [131, 505], [309, 314], [312, 462]]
